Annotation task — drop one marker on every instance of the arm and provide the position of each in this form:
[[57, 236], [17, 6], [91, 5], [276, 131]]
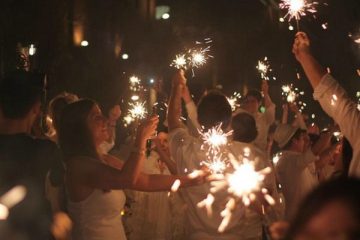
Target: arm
[[174, 109], [157, 182], [269, 105], [285, 114], [164, 157], [299, 120], [313, 70], [97, 175]]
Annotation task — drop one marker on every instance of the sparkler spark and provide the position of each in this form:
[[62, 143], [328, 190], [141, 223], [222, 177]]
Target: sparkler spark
[[137, 110], [215, 138], [179, 62], [242, 184], [233, 101], [264, 68], [297, 8]]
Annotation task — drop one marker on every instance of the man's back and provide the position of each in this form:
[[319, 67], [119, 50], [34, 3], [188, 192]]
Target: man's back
[[25, 161]]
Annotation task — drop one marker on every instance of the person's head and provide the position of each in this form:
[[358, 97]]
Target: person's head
[[252, 101], [163, 140], [244, 128], [291, 138], [57, 105], [330, 212], [214, 109], [20, 96], [82, 129]]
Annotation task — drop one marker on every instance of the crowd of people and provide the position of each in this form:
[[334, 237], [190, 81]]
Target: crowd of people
[[77, 187]]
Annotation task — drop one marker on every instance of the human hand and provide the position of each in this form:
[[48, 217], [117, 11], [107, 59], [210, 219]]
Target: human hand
[[294, 108], [278, 230], [301, 46], [179, 78], [147, 128]]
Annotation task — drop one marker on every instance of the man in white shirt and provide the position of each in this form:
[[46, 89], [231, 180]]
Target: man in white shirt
[[332, 98], [263, 120], [213, 109], [295, 169]]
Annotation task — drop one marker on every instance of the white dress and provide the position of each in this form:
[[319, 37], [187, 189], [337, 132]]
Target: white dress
[[98, 217]]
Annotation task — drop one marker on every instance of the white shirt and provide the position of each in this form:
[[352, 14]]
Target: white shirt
[[187, 153], [297, 176], [263, 122], [335, 102]]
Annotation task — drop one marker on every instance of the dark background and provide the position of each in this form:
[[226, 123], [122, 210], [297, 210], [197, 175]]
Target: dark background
[[243, 31]]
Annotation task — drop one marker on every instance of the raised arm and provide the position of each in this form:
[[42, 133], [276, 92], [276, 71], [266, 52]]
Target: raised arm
[[313, 70], [174, 109], [93, 173], [268, 103]]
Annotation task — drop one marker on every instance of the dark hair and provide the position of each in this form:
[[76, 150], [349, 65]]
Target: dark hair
[[254, 93], [75, 138], [244, 127], [296, 135], [19, 92], [213, 109], [57, 105], [345, 190]]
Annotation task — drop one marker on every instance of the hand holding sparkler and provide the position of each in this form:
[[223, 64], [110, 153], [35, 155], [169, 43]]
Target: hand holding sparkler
[[301, 45], [265, 88], [148, 127]]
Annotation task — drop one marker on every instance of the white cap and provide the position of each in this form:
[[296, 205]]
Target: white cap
[[283, 134]]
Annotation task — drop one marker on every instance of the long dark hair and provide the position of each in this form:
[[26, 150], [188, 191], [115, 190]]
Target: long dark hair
[[75, 138]]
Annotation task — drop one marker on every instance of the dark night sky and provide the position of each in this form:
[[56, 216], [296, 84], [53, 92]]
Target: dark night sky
[[243, 31]]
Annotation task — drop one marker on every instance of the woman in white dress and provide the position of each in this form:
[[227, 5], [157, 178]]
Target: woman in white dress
[[94, 181]]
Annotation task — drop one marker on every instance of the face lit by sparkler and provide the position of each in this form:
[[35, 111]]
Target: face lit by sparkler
[[297, 8]]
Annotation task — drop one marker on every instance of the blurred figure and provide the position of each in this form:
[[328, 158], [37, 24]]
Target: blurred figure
[[25, 160], [330, 212], [253, 100]]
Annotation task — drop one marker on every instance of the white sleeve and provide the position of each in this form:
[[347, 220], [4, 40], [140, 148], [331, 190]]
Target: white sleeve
[[335, 102], [270, 114], [192, 114]]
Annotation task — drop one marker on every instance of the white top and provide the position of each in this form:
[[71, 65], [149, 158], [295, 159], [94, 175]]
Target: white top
[[335, 102], [98, 217], [263, 122], [187, 154], [297, 176]]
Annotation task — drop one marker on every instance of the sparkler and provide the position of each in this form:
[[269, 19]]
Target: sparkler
[[214, 141], [264, 68], [242, 184], [297, 8], [233, 100], [137, 110], [194, 57]]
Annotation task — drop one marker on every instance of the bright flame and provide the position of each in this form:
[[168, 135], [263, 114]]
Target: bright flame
[[179, 62], [233, 101], [264, 68], [215, 137], [297, 8], [137, 110]]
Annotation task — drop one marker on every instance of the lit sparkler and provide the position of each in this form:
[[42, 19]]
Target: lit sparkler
[[243, 183], [264, 68], [233, 101], [137, 110], [298, 8], [179, 62], [215, 138], [193, 57]]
